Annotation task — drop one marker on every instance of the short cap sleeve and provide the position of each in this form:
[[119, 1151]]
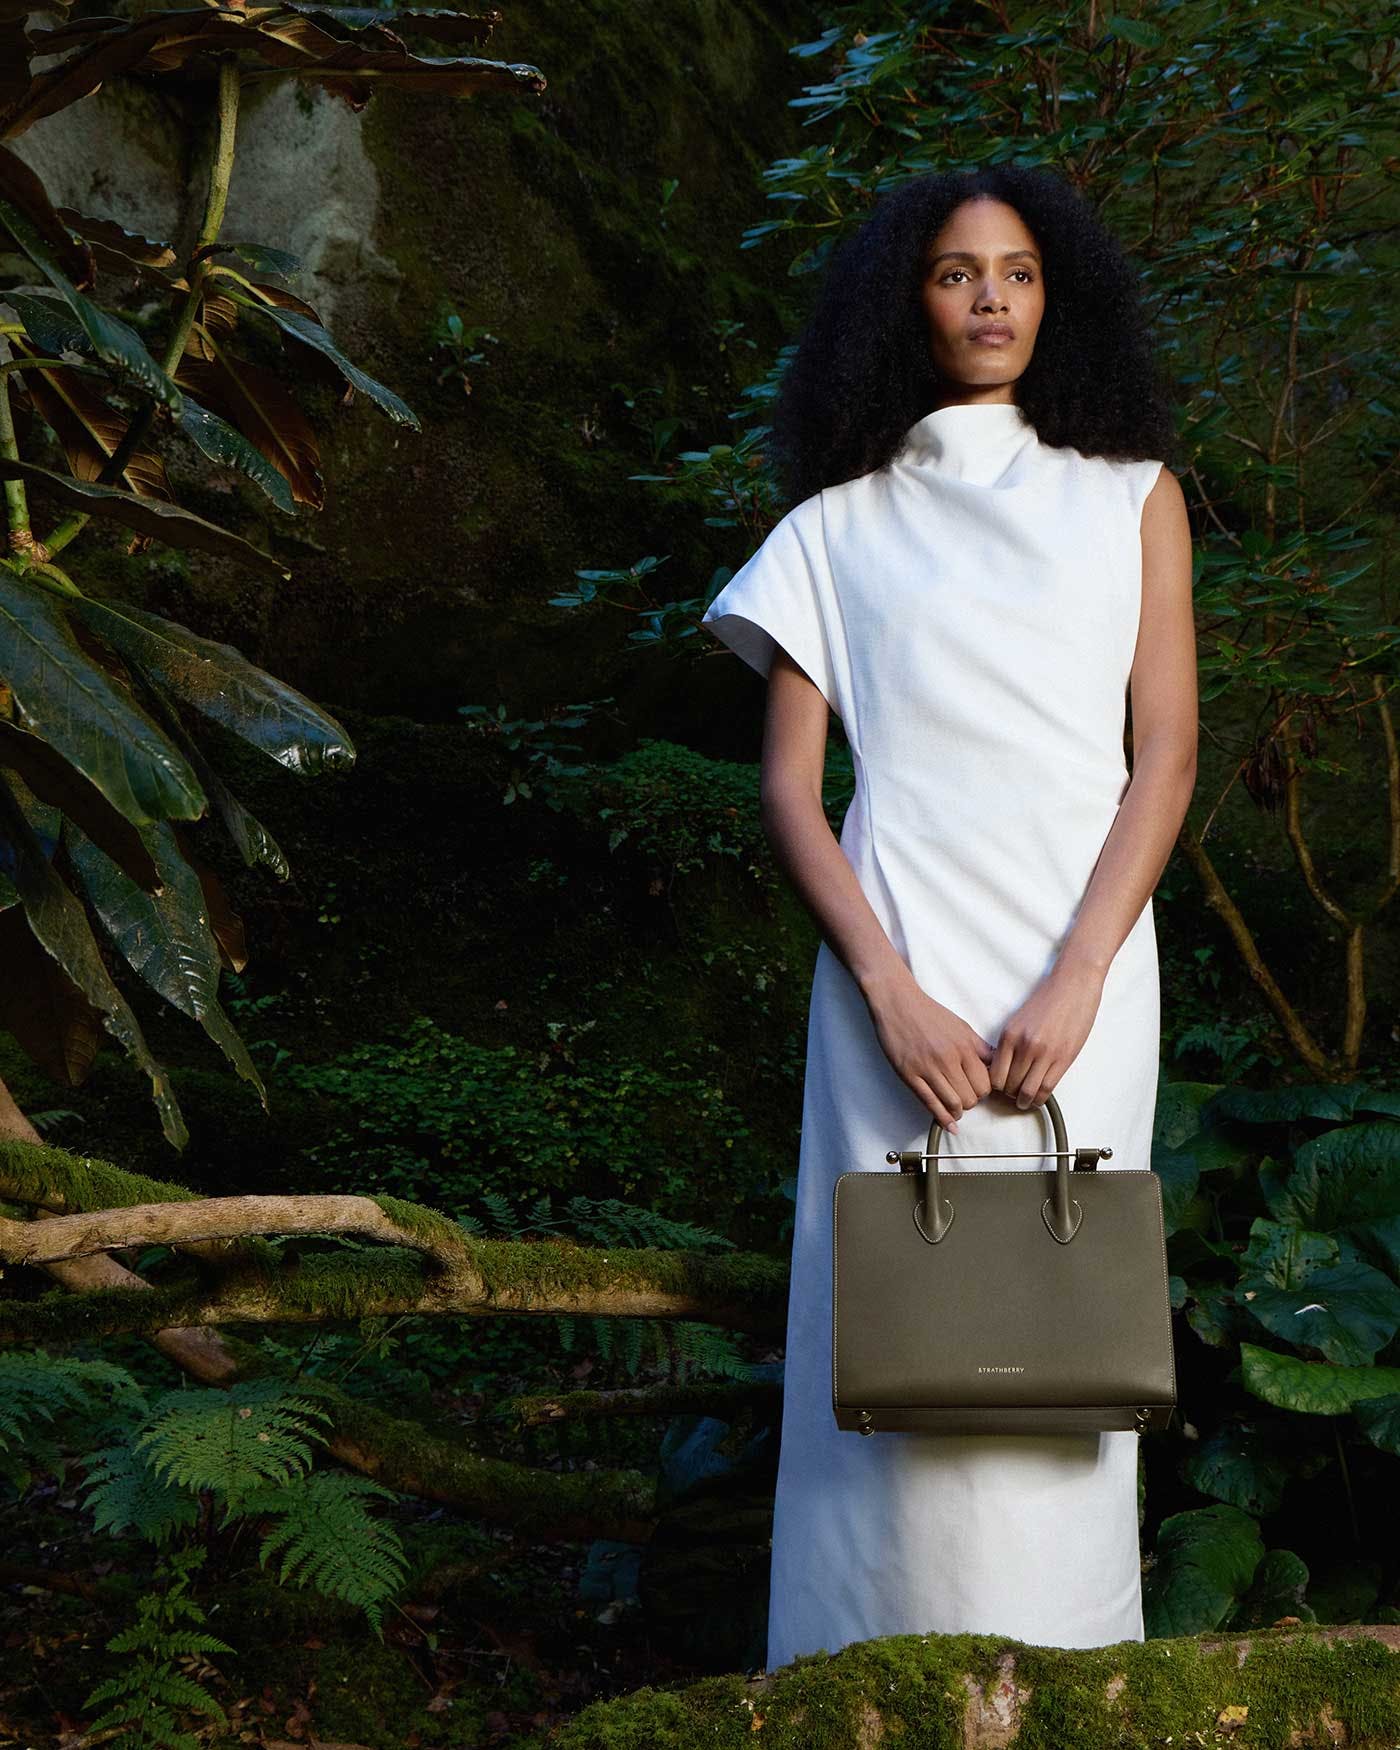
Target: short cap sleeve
[[1142, 477], [783, 595]]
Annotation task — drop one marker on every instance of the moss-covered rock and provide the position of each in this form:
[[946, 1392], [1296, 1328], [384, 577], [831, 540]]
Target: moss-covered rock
[[1275, 1689]]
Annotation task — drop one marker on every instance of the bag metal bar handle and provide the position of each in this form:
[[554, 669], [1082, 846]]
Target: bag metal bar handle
[[933, 1212], [908, 1158]]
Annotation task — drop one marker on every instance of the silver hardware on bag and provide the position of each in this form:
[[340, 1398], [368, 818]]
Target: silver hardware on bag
[[936, 1209]]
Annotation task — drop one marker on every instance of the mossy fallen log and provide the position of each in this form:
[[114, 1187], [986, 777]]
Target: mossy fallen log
[[1279, 1688]]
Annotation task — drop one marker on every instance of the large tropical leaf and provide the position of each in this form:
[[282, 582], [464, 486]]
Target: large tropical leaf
[[24, 190], [1312, 1388], [117, 344], [48, 319], [54, 780], [1206, 1562], [254, 842], [258, 406], [224, 921], [162, 522], [88, 429], [40, 1006], [220, 681], [1342, 1179], [225, 444], [54, 331], [107, 234], [164, 41], [81, 710], [434, 21], [303, 328], [58, 920], [165, 937]]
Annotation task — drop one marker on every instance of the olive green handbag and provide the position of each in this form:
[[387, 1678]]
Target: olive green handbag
[[988, 1302]]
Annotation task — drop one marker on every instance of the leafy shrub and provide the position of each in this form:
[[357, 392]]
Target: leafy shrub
[[427, 1115], [1283, 1211]]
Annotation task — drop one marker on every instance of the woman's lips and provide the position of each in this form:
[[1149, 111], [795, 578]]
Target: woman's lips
[[992, 337]]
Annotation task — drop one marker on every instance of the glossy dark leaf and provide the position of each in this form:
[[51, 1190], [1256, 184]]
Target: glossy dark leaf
[[58, 920], [254, 842], [22, 188], [52, 779], [117, 344], [434, 21], [162, 522], [166, 937], [116, 238], [220, 682], [165, 41], [48, 319], [41, 1007], [1206, 1560], [312, 333], [226, 445], [84, 713], [224, 921], [89, 430], [257, 404], [261, 256], [1312, 1388]]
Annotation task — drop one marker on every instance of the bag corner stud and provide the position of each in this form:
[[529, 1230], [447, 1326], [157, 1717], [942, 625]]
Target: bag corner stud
[[864, 1420]]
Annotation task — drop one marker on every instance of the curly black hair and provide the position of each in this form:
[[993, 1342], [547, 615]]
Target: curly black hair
[[861, 372]]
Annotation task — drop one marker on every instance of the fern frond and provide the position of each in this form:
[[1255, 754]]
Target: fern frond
[[256, 1431], [610, 1221], [157, 1726], [500, 1210], [328, 1539], [38, 1387], [148, 1689], [707, 1349], [123, 1493]]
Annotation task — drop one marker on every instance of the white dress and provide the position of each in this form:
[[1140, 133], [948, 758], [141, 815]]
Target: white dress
[[970, 614]]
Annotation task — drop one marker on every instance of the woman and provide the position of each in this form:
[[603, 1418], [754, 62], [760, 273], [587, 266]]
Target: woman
[[985, 553]]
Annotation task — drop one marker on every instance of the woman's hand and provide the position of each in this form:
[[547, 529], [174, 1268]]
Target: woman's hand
[[934, 1051], [1044, 1036]]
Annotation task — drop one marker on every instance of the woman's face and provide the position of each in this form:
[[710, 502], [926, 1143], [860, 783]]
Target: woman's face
[[982, 269]]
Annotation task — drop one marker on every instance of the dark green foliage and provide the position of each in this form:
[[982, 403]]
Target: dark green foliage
[[425, 1114], [148, 1692], [1282, 1213], [325, 1537], [683, 1346], [34, 1391], [246, 1449]]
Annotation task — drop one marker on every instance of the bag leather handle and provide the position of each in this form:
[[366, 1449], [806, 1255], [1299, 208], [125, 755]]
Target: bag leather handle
[[933, 1212]]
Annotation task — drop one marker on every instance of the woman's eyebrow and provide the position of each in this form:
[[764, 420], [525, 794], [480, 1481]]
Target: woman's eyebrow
[[967, 255]]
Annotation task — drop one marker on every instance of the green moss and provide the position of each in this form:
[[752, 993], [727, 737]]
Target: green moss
[[429, 1224], [911, 1690], [57, 1179]]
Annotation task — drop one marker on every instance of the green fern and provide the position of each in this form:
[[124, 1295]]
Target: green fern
[[328, 1538], [231, 1439], [707, 1349], [250, 1447], [39, 1386], [149, 1691], [123, 1493], [606, 1221], [34, 1390]]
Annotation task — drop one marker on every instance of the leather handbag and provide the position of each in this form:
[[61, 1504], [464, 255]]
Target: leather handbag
[[1000, 1302]]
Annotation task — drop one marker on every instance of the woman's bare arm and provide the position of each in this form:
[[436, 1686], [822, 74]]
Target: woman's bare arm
[[936, 1052], [1165, 711]]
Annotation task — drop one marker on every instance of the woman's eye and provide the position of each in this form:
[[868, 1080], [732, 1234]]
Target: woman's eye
[[962, 270]]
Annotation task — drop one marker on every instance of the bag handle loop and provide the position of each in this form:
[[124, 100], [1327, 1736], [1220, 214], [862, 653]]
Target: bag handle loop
[[933, 1212]]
